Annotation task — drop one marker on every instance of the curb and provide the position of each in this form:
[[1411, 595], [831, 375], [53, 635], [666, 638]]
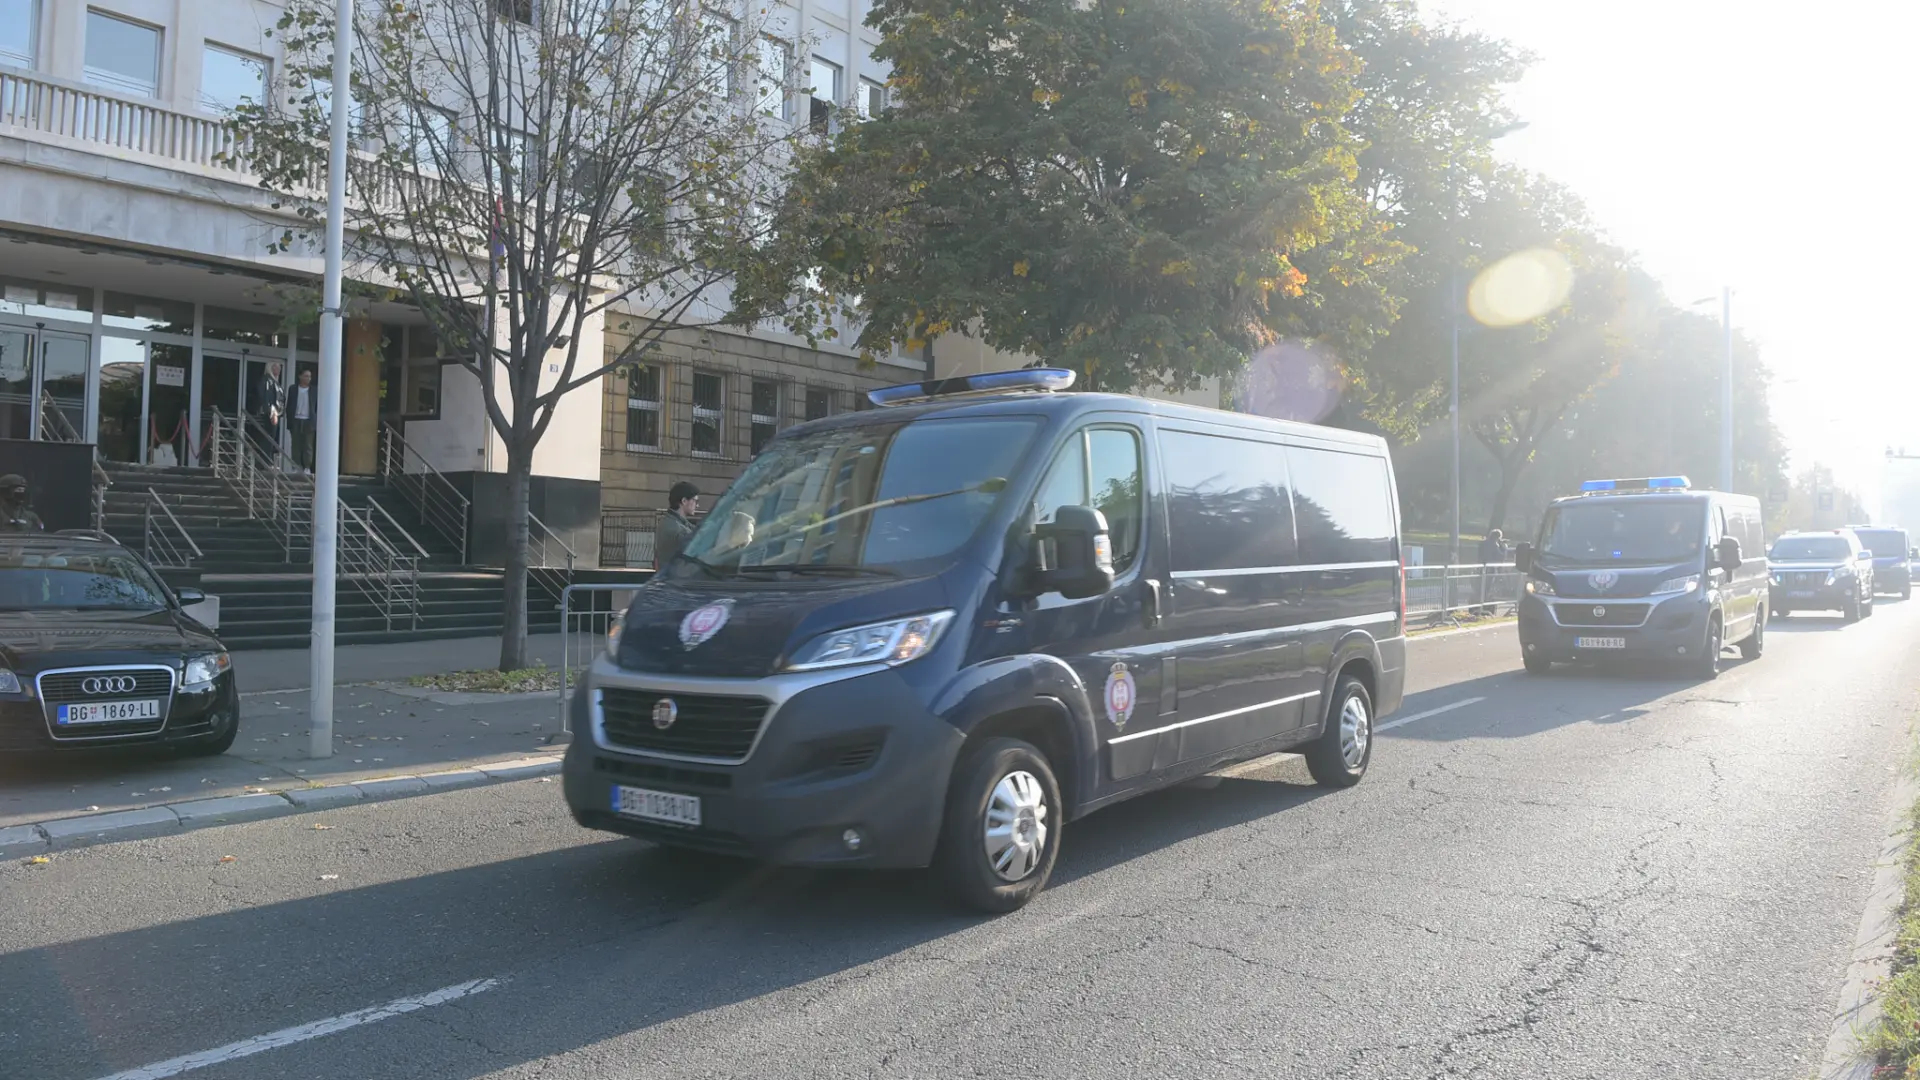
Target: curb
[[1858, 1010], [62, 834]]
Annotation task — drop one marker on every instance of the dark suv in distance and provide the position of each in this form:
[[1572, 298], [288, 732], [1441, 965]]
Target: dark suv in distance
[[96, 651], [1892, 558], [1822, 571]]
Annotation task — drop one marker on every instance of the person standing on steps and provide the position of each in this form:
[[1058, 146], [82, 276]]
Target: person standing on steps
[[263, 397], [676, 525], [300, 408]]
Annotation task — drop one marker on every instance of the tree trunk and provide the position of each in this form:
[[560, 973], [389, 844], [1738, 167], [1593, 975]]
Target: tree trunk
[[513, 634], [1510, 470]]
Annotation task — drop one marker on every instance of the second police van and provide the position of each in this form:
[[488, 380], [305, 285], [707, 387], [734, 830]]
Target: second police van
[[938, 631], [1646, 568]]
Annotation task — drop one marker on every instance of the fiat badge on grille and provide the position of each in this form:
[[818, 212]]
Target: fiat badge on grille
[[665, 712]]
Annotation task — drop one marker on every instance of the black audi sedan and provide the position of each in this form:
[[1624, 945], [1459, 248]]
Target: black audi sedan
[[96, 651]]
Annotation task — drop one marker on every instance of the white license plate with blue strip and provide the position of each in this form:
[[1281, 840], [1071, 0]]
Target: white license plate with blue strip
[[667, 806], [108, 712]]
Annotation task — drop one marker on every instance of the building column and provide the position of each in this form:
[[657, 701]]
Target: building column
[[360, 398]]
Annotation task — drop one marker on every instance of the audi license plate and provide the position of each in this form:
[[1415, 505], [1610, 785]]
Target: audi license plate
[[109, 712], [664, 806], [1600, 643]]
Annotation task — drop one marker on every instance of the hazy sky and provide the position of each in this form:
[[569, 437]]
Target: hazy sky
[[1758, 146]]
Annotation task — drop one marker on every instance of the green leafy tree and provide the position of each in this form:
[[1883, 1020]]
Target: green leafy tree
[[521, 169], [1133, 189]]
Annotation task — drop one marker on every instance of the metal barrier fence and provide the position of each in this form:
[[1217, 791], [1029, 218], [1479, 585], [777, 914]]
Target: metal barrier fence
[[586, 613], [1439, 592]]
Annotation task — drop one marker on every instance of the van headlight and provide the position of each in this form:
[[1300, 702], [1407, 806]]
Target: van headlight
[[1539, 587], [614, 626], [1689, 583], [894, 642], [205, 668]]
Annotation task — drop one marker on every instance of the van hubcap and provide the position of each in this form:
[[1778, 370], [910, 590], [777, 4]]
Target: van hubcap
[[1016, 831], [1356, 729]]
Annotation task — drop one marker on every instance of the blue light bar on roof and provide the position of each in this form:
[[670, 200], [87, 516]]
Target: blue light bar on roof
[[1040, 379], [1644, 483]]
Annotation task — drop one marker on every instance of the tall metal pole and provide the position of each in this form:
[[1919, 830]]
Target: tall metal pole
[[326, 479], [1453, 409], [1726, 393]]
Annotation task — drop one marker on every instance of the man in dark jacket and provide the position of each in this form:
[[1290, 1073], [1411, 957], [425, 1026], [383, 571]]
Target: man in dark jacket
[[1493, 551], [16, 515], [675, 527]]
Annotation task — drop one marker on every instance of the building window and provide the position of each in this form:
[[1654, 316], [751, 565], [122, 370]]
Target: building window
[[873, 98], [429, 135], [819, 402], [421, 396], [19, 32], [123, 55], [520, 11], [709, 413], [766, 413], [229, 78], [824, 95], [643, 407], [774, 61], [515, 148], [717, 34]]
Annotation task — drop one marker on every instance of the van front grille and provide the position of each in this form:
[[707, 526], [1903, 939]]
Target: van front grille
[[703, 725]]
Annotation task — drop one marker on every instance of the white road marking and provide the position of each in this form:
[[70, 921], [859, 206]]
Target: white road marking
[[288, 1036], [1390, 725]]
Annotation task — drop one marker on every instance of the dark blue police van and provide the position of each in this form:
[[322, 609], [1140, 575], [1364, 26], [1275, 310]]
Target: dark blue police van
[[936, 631]]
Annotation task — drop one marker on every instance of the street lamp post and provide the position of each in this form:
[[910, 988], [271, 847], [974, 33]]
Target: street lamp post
[[326, 473], [1726, 387]]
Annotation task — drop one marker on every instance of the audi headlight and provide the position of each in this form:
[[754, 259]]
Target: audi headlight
[[205, 668], [894, 642], [1539, 587], [1776, 579], [9, 682], [1686, 584], [614, 626]]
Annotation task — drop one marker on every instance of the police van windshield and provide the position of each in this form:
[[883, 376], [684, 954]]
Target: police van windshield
[[879, 498], [1885, 543], [1809, 548], [1633, 530]]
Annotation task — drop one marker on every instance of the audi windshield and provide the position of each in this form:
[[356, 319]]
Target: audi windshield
[[1626, 530], [80, 580]]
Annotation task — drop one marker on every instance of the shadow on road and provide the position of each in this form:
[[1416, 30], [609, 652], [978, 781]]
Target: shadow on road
[[592, 941], [1519, 704]]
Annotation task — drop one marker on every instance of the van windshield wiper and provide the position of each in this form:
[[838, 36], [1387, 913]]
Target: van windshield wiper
[[836, 569]]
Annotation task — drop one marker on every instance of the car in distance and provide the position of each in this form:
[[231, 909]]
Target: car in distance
[[96, 651], [1893, 556], [1830, 570], [1646, 568], [937, 631]]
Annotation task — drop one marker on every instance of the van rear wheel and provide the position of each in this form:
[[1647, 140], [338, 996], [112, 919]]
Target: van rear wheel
[[1001, 835], [1339, 757]]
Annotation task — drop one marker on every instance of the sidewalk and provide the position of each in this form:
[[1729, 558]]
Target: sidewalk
[[378, 732], [287, 669]]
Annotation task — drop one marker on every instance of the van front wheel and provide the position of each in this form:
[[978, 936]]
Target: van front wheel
[[1339, 757], [1001, 835]]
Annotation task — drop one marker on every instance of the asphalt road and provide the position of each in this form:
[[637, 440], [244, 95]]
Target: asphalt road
[[1597, 874]]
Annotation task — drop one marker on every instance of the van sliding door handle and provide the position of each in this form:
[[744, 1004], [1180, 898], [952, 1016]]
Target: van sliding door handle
[[1153, 602]]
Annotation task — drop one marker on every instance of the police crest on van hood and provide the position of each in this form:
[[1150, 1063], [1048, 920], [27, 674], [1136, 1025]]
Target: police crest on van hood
[[746, 627]]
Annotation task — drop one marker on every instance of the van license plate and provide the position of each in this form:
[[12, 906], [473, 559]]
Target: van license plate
[[664, 806], [109, 712], [1800, 594], [1600, 643]]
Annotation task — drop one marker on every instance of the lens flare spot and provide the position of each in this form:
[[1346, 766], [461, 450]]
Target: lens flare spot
[[1290, 381], [1520, 288]]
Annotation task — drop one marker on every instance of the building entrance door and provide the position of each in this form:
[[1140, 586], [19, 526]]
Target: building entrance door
[[43, 385]]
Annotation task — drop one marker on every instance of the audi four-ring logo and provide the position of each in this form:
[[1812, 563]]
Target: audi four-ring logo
[[109, 684]]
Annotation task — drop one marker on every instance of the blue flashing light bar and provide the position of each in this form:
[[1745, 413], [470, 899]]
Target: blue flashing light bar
[[1033, 379], [1644, 483]]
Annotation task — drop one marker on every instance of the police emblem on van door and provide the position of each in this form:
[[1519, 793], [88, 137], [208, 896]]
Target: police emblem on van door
[[703, 622], [1603, 580], [1120, 696]]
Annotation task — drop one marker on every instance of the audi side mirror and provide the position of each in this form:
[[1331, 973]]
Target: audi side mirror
[[189, 597]]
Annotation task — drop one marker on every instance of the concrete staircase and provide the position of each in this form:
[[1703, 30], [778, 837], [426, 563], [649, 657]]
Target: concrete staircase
[[267, 602]]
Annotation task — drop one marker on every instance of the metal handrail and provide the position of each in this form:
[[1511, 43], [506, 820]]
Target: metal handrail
[[572, 555], [397, 527], [442, 507], [156, 545], [282, 502], [370, 563]]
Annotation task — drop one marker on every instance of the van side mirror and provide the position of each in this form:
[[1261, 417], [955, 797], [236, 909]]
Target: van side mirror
[[1729, 554], [1913, 553], [1081, 565], [1523, 557]]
